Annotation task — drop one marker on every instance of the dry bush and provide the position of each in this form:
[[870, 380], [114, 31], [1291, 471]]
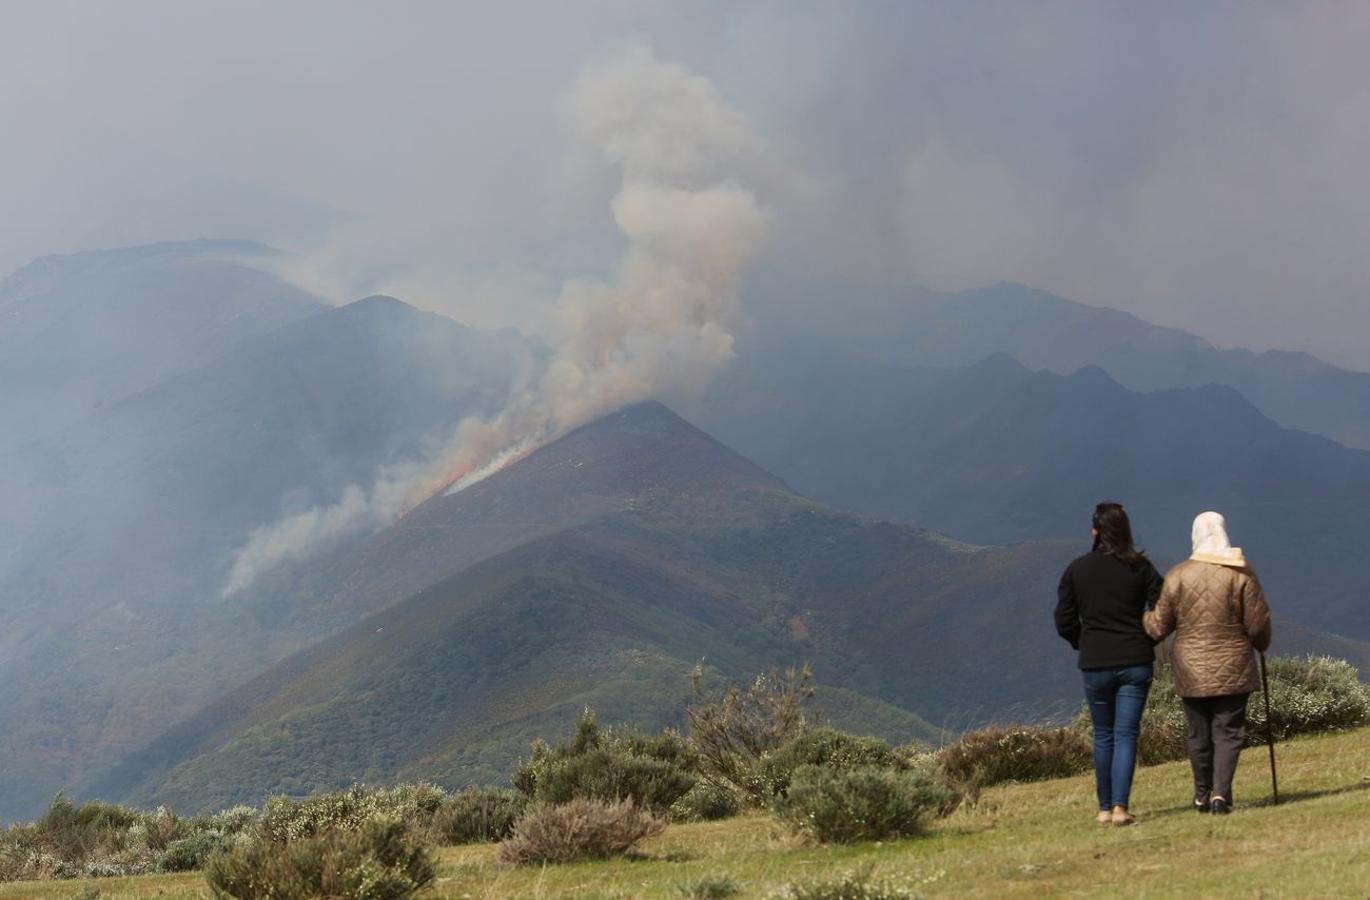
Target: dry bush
[[999, 754], [580, 829], [732, 733]]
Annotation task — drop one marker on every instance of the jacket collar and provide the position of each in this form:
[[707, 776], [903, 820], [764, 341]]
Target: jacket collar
[[1229, 556]]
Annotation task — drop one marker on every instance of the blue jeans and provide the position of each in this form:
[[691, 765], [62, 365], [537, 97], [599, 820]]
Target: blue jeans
[[1116, 699]]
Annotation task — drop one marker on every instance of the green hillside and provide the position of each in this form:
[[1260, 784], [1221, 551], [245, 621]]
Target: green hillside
[[700, 556], [1028, 840]]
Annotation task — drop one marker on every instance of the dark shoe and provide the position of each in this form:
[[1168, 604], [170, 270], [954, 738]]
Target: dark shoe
[[1202, 804], [1221, 807]]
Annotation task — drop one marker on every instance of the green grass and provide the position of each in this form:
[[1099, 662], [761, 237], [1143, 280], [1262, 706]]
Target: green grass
[[1022, 840]]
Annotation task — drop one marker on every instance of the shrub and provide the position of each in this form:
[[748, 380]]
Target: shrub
[[235, 820], [580, 829], [858, 885], [93, 840], [1309, 695], [595, 765], [375, 862], [667, 746], [414, 805], [476, 815], [1162, 735], [859, 804], [998, 754], [705, 802], [829, 748], [608, 775], [191, 853], [709, 887], [733, 732]]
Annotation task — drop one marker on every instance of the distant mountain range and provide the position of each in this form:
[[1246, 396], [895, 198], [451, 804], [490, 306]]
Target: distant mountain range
[[994, 452], [87, 329], [911, 326], [602, 568]]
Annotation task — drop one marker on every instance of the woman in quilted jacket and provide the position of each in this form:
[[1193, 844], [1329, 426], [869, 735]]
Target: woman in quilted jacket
[[1215, 606]]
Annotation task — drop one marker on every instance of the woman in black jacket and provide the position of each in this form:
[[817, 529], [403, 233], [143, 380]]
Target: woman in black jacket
[[1099, 608]]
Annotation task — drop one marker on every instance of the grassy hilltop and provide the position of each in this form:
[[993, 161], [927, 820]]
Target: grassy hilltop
[[1019, 840]]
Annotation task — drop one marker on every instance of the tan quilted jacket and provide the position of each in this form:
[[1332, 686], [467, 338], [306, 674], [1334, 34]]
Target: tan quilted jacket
[[1218, 614]]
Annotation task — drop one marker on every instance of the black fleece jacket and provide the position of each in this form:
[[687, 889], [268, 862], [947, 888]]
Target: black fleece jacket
[[1099, 610]]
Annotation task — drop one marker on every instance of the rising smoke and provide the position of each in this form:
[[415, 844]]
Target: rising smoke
[[663, 323]]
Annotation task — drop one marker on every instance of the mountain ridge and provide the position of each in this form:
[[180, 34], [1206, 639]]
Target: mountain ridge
[[913, 326]]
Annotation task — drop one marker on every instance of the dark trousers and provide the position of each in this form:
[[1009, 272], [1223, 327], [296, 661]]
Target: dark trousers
[[1217, 733]]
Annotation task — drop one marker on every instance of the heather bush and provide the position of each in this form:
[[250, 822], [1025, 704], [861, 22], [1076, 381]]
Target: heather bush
[[476, 815], [376, 861], [580, 829], [705, 802], [598, 765], [860, 884], [859, 804]]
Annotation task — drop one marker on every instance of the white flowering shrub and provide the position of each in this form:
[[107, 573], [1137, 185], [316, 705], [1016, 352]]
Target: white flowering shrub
[[285, 819], [101, 840], [1308, 695]]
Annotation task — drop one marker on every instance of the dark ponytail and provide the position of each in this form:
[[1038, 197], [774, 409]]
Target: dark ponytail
[[1113, 534]]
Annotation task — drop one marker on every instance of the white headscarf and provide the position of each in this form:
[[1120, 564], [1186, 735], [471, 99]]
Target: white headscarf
[[1211, 543]]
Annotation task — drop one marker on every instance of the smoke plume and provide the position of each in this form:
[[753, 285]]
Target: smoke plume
[[662, 323]]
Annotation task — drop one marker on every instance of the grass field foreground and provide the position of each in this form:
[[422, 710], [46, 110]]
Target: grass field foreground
[[1020, 840]]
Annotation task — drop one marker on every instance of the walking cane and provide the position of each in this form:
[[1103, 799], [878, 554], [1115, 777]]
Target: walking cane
[[1269, 729]]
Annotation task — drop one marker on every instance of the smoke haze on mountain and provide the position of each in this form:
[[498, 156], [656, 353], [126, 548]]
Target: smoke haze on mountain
[[1198, 164], [662, 323]]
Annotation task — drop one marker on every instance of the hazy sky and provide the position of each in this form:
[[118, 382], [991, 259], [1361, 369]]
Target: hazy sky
[[1200, 164]]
